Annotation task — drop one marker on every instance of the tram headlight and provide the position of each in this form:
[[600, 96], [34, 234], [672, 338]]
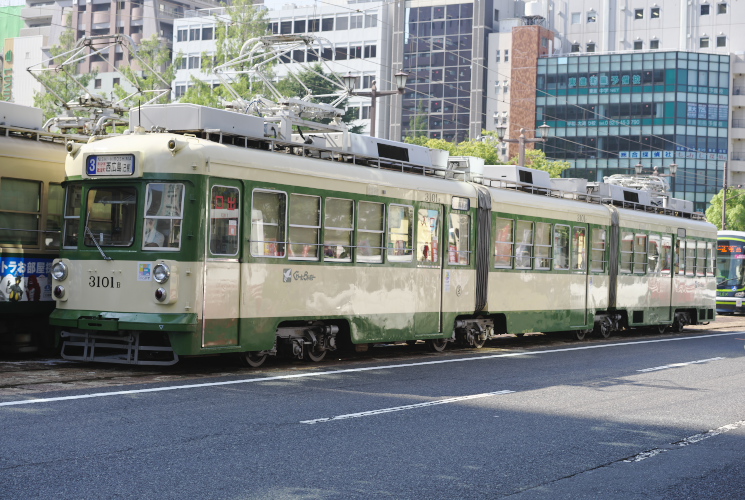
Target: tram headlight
[[161, 273], [160, 294], [59, 291], [59, 271]]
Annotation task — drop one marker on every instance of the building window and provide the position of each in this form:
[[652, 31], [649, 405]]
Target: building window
[[722, 8], [193, 62], [497, 59], [654, 44], [194, 33], [327, 24], [371, 51], [721, 41], [575, 47], [506, 55], [314, 25], [300, 26], [590, 47], [638, 13], [544, 42], [592, 17], [285, 27], [705, 9], [116, 80], [371, 20], [182, 35], [355, 22], [367, 81], [703, 42], [342, 23], [576, 18], [654, 13], [208, 33], [97, 83], [638, 45]]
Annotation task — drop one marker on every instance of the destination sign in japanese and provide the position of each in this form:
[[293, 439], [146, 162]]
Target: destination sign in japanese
[[110, 165]]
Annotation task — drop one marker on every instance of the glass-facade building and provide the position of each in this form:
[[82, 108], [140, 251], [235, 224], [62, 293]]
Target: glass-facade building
[[438, 53], [609, 112]]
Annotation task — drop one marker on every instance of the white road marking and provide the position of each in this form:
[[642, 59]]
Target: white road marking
[[357, 370], [687, 441], [406, 407], [678, 365]]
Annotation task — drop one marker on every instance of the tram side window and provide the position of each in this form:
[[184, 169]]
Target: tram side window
[[640, 253], [338, 224], [268, 215], [524, 245], [690, 258], [370, 231], [597, 255], [305, 226], [400, 232], [73, 202], [627, 252], [666, 252], [711, 259], [20, 212], [164, 212], [225, 210], [579, 249], [654, 263], [503, 244], [55, 206], [427, 237], [700, 258], [542, 245], [459, 243], [111, 214], [680, 258], [561, 247]]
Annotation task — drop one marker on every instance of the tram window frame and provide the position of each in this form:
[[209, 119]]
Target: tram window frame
[[700, 258], [640, 251], [542, 250], [626, 254], [169, 226], [503, 249], [19, 213], [597, 250], [217, 224], [71, 215], [680, 258], [524, 248], [711, 259], [562, 246], [271, 249], [666, 254], [95, 216], [55, 216], [690, 256], [579, 248], [428, 236], [457, 256], [654, 267], [395, 252], [308, 250], [365, 232], [331, 248]]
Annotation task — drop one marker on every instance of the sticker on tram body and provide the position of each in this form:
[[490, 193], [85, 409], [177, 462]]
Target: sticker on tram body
[[110, 165]]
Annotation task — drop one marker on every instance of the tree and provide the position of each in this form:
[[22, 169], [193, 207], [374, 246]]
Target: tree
[[418, 125], [486, 149], [735, 210], [155, 53], [536, 158], [61, 83]]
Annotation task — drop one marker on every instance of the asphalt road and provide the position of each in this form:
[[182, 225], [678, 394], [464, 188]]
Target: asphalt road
[[628, 417]]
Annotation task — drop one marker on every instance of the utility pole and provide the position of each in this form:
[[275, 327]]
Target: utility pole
[[724, 200]]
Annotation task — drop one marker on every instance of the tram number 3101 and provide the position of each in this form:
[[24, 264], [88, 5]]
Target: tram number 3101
[[103, 282]]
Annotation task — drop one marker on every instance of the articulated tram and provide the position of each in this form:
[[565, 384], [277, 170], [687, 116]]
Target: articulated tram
[[225, 233], [31, 196]]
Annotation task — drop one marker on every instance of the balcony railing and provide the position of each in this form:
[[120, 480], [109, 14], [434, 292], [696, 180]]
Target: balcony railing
[[738, 90], [737, 155]]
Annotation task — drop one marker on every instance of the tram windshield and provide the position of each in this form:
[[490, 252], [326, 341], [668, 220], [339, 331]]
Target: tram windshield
[[730, 263], [111, 215]]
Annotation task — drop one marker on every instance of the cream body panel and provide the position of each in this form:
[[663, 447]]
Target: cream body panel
[[511, 291], [690, 291], [459, 290], [128, 294], [636, 292], [222, 290], [519, 203], [29, 159]]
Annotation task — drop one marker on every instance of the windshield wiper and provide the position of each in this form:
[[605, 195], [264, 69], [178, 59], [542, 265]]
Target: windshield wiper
[[90, 233]]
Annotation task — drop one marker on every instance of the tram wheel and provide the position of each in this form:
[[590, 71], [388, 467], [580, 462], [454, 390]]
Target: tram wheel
[[437, 345], [254, 359], [660, 329], [580, 334], [314, 354], [603, 329], [478, 343], [680, 323]]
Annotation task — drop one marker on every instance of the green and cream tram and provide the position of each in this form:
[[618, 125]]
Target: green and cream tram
[[210, 241], [730, 271]]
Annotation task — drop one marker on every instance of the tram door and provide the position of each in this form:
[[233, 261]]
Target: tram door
[[578, 286], [222, 271], [429, 252]]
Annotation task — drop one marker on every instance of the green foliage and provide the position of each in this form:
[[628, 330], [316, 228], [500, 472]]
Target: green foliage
[[486, 149], [155, 53], [62, 83], [536, 158], [419, 125], [735, 210], [247, 21]]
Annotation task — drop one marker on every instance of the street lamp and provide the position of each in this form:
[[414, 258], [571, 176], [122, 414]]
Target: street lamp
[[521, 141], [374, 93], [638, 168]]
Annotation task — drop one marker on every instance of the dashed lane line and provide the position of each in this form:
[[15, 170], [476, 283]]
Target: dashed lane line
[[678, 365], [318, 374]]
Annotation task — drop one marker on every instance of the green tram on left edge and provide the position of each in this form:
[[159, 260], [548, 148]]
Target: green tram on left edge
[[212, 242]]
